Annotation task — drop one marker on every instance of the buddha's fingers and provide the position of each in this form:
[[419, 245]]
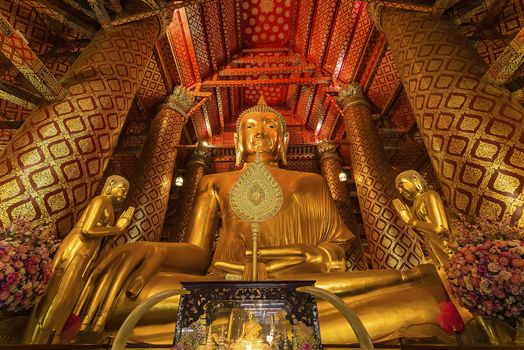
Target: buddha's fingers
[[280, 265], [89, 302], [114, 289], [154, 259]]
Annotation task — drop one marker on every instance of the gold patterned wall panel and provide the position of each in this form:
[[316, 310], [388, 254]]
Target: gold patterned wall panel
[[390, 245], [331, 167], [473, 131], [150, 188], [51, 167]]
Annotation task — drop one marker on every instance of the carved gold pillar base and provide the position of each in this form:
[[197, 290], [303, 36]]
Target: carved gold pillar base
[[152, 183], [196, 168], [472, 129], [331, 166], [391, 246], [51, 167]]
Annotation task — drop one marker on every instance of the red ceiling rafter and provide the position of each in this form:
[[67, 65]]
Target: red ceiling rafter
[[304, 24], [343, 32], [325, 12], [214, 29], [195, 22], [304, 103], [180, 47], [358, 48], [291, 59], [229, 20], [266, 70], [280, 81]]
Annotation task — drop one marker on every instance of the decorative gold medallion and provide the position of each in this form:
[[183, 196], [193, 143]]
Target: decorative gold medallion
[[256, 196]]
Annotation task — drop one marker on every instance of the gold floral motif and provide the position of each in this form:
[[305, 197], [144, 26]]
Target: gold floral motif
[[267, 6]]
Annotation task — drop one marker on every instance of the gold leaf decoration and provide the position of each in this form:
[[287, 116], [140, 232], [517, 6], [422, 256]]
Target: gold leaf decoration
[[256, 196]]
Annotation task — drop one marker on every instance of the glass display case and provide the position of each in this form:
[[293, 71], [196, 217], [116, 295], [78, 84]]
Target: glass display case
[[247, 316]]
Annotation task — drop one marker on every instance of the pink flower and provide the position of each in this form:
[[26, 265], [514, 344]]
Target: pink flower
[[4, 295], [449, 319]]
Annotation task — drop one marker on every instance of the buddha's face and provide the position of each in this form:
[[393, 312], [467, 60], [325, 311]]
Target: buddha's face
[[262, 130]]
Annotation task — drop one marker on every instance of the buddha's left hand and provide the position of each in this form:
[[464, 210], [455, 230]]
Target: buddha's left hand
[[283, 259]]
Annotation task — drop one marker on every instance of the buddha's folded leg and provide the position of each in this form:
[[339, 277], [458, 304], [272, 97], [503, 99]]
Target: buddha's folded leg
[[385, 301]]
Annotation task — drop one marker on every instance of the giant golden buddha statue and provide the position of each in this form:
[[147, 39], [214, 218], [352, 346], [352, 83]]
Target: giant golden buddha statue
[[305, 240]]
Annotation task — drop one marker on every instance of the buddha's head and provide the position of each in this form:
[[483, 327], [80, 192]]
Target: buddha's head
[[116, 188], [409, 183], [264, 128]]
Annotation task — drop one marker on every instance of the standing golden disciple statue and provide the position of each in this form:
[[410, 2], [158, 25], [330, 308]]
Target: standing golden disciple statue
[[426, 216], [305, 240], [75, 257]]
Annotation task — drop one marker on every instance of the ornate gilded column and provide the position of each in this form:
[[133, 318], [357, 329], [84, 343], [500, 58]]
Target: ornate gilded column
[[390, 245], [331, 167], [473, 130], [150, 188], [195, 169], [51, 167]]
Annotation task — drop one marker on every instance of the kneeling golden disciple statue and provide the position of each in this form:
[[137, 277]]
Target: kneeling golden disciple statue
[[305, 240]]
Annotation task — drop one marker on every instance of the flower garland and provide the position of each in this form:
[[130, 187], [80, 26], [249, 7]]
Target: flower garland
[[486, 273], [25, 264]]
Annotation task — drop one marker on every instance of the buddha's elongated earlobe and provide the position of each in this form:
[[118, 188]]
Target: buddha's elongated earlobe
[[238, 153]]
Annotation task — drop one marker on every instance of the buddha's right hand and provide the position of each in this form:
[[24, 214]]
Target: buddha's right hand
[[128, 267]]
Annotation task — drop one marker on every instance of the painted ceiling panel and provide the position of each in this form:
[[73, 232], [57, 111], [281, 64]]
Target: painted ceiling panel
[[266, 23]]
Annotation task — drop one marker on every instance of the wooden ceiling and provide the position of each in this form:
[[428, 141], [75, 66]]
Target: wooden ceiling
[[296, 53]]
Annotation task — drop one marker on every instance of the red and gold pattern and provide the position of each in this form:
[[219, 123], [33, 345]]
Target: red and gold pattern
[[384, 83], [363, 31], [50, 170], [266, 23], [346, 19], [390, 245], [17, 50], [150, 191], [331, 167], [472, 130], [321, 30]]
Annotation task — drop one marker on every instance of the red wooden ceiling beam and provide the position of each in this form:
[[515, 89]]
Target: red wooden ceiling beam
[[265, 70], [283, 81]]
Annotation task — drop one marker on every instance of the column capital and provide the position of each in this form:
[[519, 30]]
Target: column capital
[[375, 10], [180, 100], [201, 155], [327, 149], [350, 95]]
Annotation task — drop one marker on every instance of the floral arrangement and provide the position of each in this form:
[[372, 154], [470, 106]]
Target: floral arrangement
[[486, 273], [25, 264]]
